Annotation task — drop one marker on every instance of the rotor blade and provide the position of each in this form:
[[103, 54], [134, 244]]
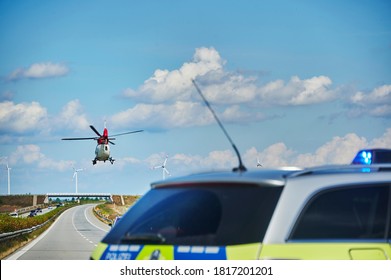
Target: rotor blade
[[136, 131], [97, 132], [111, 142], [82, 138]]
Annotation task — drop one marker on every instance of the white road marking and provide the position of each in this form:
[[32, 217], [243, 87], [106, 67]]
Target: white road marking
[[24, 249], [88, 220]]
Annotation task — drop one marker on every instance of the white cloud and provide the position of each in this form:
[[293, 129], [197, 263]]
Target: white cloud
[[339, 150], [233, 95], [31, 122], [185, 163], [382, 142], [27, 153], [62, 165], [297, 92], [376, 103], [224, 87], [27, 118], [179, 114], [167, 85], [219, 159], [31, 154], [72, 116], [39, 71], [22, 117]]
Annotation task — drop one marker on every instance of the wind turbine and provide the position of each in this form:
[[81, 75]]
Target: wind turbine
[[9, 179], [8, 173], [164, 169], [75, 175], [258, 163]]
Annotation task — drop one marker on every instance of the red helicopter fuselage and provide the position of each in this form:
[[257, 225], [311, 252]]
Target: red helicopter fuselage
[[104, 139]]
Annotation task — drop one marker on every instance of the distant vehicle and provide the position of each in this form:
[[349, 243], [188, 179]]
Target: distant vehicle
[[38, 210], [50, 207], [33, 213], [116, 220], [14, 214]]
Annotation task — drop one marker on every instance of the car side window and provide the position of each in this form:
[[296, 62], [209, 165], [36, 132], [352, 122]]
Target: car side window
[[208, 214], [352, 212]]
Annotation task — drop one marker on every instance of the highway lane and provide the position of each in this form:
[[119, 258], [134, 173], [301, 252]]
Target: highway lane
[[73, 236]]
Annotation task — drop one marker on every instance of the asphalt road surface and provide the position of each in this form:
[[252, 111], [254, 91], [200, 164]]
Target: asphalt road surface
[[73, 236]]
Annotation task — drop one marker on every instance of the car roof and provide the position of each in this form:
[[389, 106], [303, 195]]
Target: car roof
[[343, 169], [270, 177]]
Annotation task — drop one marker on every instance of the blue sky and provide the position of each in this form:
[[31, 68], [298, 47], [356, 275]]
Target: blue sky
[[296, 83]]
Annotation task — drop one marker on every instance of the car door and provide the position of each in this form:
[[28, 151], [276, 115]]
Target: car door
[[342, 222]]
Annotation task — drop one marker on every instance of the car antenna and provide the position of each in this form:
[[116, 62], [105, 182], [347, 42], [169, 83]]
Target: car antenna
[[241, 167]]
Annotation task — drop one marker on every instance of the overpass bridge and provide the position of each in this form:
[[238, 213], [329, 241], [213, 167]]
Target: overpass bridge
[[78, 195]]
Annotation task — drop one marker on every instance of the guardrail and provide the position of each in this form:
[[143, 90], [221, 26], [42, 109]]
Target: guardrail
[[101, 217], [8, 235]]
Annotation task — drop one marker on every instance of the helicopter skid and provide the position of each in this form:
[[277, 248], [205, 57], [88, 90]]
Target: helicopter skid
[[95, 160]]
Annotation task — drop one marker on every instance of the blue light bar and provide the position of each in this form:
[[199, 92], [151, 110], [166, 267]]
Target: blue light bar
[[367, 157], [363, 157]]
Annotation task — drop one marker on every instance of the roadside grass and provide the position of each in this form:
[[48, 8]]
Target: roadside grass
[[9, 246], [10, 224], [111, 210]]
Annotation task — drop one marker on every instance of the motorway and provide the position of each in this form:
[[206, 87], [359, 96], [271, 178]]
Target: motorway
[[73, 236]]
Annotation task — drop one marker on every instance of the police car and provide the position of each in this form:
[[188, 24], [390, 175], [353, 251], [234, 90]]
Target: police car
[[329, 212]]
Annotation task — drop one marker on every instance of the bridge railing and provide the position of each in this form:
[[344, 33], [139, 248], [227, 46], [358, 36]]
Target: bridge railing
[[79, 194]]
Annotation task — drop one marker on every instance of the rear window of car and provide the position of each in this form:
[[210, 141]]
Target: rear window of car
[[348, 213], [206, 214]]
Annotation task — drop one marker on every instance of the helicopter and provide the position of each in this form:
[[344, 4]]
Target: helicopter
[[102, 150]]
